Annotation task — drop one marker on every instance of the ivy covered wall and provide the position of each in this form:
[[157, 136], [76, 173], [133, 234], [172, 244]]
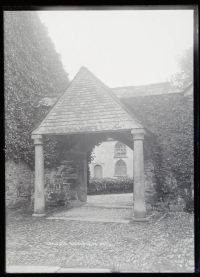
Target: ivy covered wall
[[169, 118], [32, 71]]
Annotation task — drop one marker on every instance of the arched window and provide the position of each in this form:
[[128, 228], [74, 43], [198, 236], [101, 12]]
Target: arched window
[[120, 149], [120, 168], [98, 171]]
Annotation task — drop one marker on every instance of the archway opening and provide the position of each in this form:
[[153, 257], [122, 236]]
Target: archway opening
[[111, 171]]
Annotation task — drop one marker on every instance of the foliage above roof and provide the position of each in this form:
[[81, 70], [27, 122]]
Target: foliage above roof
[[87, 106]]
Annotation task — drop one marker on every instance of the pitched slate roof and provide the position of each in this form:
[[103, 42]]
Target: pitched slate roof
[[87, 106], [143, 90]]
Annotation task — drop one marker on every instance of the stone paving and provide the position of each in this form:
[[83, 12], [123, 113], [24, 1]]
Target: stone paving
[[113, 200], [163, 244], [116, 208]]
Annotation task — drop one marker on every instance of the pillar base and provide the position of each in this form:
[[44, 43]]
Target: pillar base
[[83, 199], [139, 213], [38, 215], [139, 208]]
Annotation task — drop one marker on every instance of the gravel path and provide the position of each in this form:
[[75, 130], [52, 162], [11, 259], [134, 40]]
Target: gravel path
[[164, 244]]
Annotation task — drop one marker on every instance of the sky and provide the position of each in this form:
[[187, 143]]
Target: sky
[[121, 47]]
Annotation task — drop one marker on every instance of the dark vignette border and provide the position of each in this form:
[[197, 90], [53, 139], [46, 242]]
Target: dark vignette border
[[102, 5]]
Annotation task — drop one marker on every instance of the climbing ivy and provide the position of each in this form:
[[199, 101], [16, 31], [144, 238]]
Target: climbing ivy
[[33, 70], [170, 118]]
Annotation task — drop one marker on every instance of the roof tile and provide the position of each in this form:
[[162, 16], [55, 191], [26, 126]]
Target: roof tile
[[87, 106]]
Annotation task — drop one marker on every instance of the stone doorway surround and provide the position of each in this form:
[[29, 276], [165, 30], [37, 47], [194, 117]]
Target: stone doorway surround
[[89, 107]]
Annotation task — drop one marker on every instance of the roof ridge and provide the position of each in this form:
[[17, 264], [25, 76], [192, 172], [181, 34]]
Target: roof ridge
[[188, 86], [152, 95], [144, 85]]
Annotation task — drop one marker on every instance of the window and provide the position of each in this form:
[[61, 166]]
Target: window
[[120, 168], [120, 150], [98, 171]]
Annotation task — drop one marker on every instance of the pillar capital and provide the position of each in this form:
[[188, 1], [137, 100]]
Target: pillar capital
[[37, 139], [138, 134]]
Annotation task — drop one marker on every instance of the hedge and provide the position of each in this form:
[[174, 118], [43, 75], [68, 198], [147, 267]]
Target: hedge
[[110, 185]]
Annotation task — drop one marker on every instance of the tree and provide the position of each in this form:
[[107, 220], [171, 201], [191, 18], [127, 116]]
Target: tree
[[185, 75], [32, 70]]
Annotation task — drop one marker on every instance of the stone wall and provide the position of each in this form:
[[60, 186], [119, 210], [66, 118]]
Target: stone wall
[[150, 191], [19, 180], [61, 182]]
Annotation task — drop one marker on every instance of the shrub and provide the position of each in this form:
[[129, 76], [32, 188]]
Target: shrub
[[110, 185]]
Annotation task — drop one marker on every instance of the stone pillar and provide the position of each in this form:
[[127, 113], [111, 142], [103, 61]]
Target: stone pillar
[[82, 172], [85, 176], [39, 198], [138, 174]]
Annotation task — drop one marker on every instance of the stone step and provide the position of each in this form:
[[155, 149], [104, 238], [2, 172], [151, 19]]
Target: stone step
[[108, 206], [52, 269]]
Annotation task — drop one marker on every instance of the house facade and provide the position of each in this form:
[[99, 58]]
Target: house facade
[[111, 159]]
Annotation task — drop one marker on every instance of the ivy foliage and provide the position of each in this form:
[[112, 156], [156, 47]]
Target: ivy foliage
[[32, 70], [170, 118]]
